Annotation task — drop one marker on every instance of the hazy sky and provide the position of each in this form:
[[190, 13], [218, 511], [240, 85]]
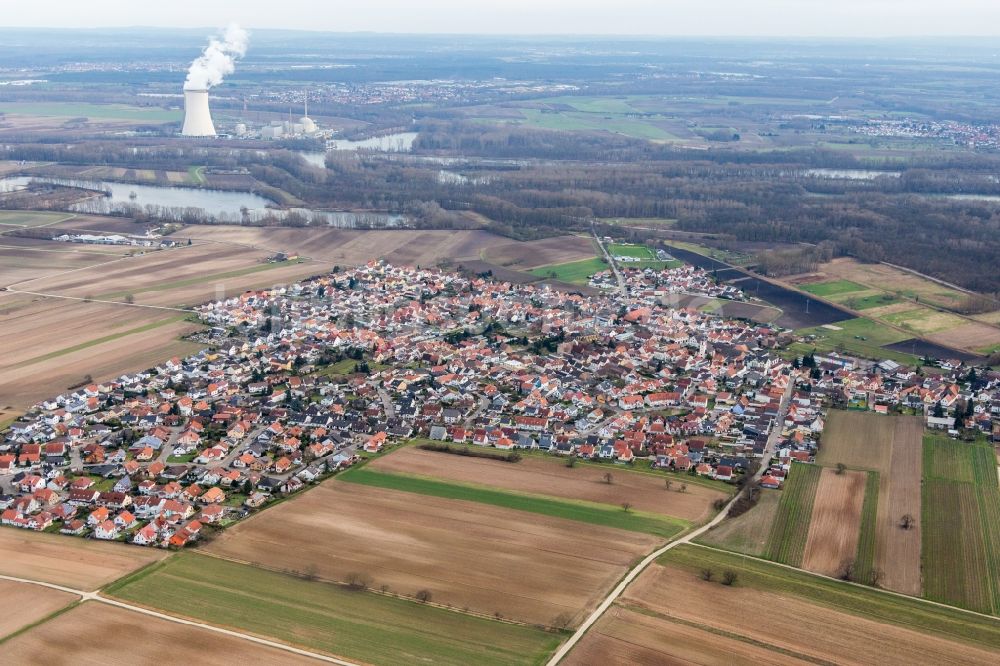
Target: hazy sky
[[656, 17]]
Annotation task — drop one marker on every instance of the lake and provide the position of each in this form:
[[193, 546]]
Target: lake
[[172, 202]]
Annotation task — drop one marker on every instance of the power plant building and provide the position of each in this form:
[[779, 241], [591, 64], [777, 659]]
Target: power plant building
[[197, 117]]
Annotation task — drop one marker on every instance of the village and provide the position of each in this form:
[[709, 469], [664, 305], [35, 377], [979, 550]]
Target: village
[[302, 381]]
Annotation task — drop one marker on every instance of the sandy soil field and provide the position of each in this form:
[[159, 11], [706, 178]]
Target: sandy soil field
[[102, 635], [487, 559], [971, 335], [82, 564], [624, 636], [857, 439], [645, 492], [25, 604], [792, 623], [836, 520], [897, 551], [525, 256]]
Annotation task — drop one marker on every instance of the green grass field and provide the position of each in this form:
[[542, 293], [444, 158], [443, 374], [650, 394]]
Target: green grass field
[[592, 122], [860, 336], [98, 111], [832, 288], [961, 524], [576, 272], [585, 512], [29, 218], [361, 626], [868, 603], [748, 532], [864, 559], [787, 539], [868, 302], [640, 251]]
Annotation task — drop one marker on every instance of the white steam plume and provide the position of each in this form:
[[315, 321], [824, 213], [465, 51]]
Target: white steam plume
[[218, 59]]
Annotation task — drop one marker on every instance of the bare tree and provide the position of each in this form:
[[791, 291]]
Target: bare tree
[[683, 488], [608, 478], [907, 522], [841, 468], [846, 570], [707, 574], [626, 506], [562, 621], [729, 577], [423, 596], [129, 298], [668, 483], [311, 572], [876, 577], [358, 581]]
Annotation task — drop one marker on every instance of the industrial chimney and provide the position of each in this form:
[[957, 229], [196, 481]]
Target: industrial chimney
[[197, 117]]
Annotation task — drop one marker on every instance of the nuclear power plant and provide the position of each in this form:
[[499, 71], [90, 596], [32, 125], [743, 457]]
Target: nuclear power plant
[[197, 117]]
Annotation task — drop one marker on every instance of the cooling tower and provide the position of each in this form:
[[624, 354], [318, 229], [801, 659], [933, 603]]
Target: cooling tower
[[197, 117]]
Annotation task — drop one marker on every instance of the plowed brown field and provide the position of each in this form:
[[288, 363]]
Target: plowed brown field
[[836, 519], [488, 559], [25, 604], [78, 563], [645, 492], [788, 623], [897, 551], [101, 635]]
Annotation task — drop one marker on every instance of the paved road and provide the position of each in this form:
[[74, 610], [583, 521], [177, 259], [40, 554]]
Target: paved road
[[390, 409], [775, 435], [772, 440], [96, 596], [611, 263], [631, 576], [484, 402]]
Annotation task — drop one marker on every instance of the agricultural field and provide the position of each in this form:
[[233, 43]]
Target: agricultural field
[[747, 533], [864, 559], [574, 272], [773, 614], [117, 112], [861, 336], [593, 513], [860, 440], [464, 553], [790, 529], [551, 477], [364, 626], [27, 604], [30, 218], [961, 532], [545, 252], [71, 638], [904, 300], [897, 550], [832, 542], [77, 563], [832, 288]]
